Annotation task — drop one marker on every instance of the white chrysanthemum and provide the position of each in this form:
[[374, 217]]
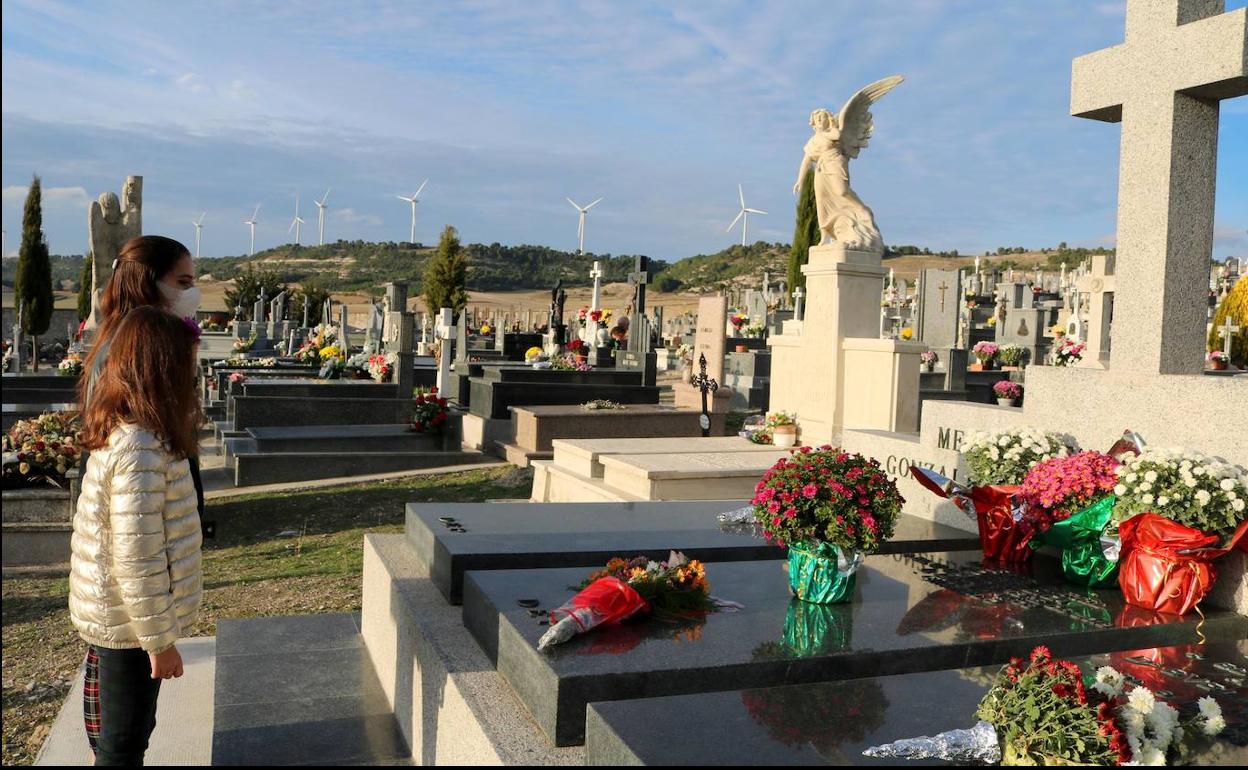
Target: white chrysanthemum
[[1209, 707], [1120, 490], [1142, 700], [1132, 477], [1202, 496], [1237, 506], [1109, 681], [1146, 498], [1226, 484], [1199, 470], [1004, 441], [1163, 500], [1153, 757], [1150, 476], [1132, 722], [1213, 725]]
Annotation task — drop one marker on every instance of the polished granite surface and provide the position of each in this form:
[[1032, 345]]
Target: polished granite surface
[[911, 612], [454, 538], [831, 723]]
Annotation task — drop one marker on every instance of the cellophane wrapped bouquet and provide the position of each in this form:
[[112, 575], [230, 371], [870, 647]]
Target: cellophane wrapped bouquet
[[1068, 504], [1040, 711], [673, 589]]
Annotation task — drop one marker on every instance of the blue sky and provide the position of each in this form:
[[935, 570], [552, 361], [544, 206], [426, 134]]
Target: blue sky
[[508, 107]]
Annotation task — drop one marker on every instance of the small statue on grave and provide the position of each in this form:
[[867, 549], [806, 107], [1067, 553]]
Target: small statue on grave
[[110, 223], [843, 217]]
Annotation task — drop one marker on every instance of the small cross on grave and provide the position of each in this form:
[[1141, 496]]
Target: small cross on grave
[[1227, 332], [705, 385], [942, 288]]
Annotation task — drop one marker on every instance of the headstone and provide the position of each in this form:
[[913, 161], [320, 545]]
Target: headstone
[[445, 332], [344, 337], [639, 333], [709, 339], [461, 337], [940, 298], [1099, 287], [400, 324]]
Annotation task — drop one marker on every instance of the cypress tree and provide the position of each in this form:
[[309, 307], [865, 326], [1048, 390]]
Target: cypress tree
[[34, 271], [84, 288], [446, 275], [806, 232]]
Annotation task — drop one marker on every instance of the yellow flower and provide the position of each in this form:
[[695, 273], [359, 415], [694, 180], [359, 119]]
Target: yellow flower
[[907, 333], [485, 328], [532, 353]]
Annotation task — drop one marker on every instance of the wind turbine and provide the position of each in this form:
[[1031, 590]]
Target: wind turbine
[[743, 215], [252, 224], [294, 223], [412, 200], [580, 225], [199, 225], [320, 217]]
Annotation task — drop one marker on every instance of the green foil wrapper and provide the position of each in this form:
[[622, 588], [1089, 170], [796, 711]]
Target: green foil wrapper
[[815, 629], [1079, 537], [821, 573]]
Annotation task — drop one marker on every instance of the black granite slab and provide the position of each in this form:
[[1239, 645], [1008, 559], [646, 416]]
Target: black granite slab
[[453, 538], [911, 612], [831, 723]]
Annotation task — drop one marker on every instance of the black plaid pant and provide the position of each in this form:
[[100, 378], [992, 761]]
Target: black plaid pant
[[119, 704]]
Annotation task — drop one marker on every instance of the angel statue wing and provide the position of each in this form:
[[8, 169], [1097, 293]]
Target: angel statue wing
[[855, 117]]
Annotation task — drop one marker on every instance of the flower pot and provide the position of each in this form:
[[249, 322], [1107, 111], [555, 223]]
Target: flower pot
[[1006, 401], [822, 573], [742, 349], [581, 358], [1219, 366], [929, 366], [784, 436]]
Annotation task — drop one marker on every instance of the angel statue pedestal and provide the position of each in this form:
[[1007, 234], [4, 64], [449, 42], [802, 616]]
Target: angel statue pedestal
[[831, 368]]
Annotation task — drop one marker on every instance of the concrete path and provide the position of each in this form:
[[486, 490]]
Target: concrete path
[[184, 713]]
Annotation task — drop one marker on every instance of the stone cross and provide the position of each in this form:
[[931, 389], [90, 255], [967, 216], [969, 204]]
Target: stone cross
[[1164, 84], [445, 331], [19, 340], [596, 274], [1099, 285], [705, 385], [1227, 332], [799, 294], [943, 287]]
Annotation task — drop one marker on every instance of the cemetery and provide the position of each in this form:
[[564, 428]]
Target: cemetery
[[885, 507]]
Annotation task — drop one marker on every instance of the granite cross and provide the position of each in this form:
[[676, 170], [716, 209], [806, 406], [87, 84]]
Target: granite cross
[[1164, 84], [943, 287], [799, 310], [705, 385], [1227, 332]]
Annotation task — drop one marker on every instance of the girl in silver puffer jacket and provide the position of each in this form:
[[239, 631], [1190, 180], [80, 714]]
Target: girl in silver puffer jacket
[[136, 580]]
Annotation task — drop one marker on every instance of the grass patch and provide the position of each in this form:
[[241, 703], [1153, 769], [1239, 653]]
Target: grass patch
[[290, 553]]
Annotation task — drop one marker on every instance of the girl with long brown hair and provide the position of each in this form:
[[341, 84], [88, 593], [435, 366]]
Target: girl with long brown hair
[[135, 579], [150, 271]]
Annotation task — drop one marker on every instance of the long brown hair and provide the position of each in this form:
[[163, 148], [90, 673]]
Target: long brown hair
[[148, 379], [140, 265]]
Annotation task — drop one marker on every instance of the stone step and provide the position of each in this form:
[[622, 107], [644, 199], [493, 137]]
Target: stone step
[[29, 544], [342, 439], [256, 469], [300, 690]]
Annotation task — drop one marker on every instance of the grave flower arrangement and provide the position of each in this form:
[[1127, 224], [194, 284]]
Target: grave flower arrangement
[[673, 590], [907, 333], [597, 315], [381, 366], [582, 315], [333, 362], [1007, 390], [70, 366], [533, 354], [41, 450], [324, 334], [1218, 359], [244, 345], [1040, 712], [1069, 501], [738, 321], [1068, 353], [238, 362], [599, 404], [1010, 354], [569, 362], [1177, 510], [308, 353], [985, 352], [831, 508], [578, 348], [238, 377], [928, 358], [998, 463], [429, 412]]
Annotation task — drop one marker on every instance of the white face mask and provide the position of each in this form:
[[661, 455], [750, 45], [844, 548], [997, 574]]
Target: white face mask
[[182, 302]]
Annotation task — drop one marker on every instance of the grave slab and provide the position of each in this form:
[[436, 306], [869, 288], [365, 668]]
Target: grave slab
[[453, 538], [584, 456], [688, 476], [535, 427], [832, 723], [910, 613]]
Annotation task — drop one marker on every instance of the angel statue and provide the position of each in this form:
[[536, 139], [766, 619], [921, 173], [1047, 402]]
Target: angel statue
[[843, 217]]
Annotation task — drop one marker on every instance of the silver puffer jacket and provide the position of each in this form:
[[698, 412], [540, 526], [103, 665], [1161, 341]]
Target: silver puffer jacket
[[135, 577]]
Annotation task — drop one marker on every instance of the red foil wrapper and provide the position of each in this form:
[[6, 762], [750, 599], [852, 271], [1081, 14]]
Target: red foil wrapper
[[1167, 567], [1001, 537], [604, 601]]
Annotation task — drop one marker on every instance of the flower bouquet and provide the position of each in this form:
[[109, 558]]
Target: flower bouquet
[[381, 366], [534, 355], [1218, 359], [238, 377], [1177, 510], [244, 345], [985, 353], [673, 589], [41, 450], [1007, 392], [1010, 355], [308, 353], [1039, 712], [70, 366], [830, 507], [998, 464], [1068, 353], [569, 362], [928, 358], [578, 349], [907, 333], [429, 412], [599, 404], [738, 321], [333, 362], [1069, 501]]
